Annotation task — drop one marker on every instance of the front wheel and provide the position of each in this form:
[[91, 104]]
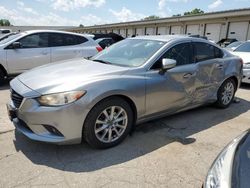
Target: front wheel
[[108, 123], [226, 93]]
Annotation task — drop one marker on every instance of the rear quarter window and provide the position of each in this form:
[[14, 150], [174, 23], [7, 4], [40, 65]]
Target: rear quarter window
[[59, 39]]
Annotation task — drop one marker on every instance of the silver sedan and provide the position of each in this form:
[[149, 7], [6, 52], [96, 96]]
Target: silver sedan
[[136, 80]]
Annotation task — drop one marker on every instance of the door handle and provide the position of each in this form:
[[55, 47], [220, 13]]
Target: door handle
[[188, 75], [219, 66]]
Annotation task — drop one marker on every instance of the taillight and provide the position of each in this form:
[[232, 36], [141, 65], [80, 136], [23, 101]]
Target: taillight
[[99, 48]]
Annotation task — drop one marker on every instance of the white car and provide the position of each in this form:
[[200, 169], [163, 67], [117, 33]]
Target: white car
[[243, 51], [29, 49]]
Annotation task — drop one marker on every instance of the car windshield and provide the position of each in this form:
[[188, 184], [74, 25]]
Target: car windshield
[[9, 38], [129, 52], [234, 45], [245, 47]]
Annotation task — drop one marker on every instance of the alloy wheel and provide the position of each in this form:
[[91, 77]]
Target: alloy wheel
[[111, 124]]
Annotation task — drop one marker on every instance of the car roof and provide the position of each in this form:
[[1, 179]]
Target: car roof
[[103, 38], [168, 38], [54, 31]]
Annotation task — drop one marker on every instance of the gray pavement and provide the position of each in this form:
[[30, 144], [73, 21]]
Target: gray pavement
[[175, 151]]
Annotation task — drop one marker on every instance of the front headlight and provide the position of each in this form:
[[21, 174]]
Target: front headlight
[[220, 173], [246, 66], [59, 99]]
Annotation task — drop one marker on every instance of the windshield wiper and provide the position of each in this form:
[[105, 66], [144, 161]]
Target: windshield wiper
[[102, 61]]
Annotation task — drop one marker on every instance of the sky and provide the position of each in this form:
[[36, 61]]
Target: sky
[[95, 12]]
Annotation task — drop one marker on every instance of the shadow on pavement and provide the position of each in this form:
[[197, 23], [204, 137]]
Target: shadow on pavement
[[147, 138], [5, 85], [245, 86]]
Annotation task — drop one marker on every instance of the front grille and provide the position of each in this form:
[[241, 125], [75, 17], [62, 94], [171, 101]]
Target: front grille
[[16, 98]]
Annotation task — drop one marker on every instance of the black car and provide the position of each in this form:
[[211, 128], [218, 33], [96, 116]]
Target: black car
[[105, 42], [231, 169]]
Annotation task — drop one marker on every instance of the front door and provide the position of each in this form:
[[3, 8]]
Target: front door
[[34, 52], [173, 90]]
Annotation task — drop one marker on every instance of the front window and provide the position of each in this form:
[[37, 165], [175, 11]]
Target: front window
[[129, 52], [245, 47]]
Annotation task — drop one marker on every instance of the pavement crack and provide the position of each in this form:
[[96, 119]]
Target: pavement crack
[[6, 156], [4, 132]]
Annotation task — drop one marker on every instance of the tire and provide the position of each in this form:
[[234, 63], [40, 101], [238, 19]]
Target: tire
[[226, 93], [103, 130], [2, 77]]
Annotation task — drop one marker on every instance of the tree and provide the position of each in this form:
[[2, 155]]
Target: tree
[[176, 15], [152, 17], [4, 22], [81, 25], [194, 12]]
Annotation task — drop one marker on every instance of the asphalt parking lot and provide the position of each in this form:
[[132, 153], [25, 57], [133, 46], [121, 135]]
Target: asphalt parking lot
[[175, 151]]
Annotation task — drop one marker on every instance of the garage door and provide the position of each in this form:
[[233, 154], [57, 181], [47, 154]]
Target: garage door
[[123, 33], [163, 31], [175, 30], [238, 30], [150, 31], [212, 32], [140, 31], [193, 30], [116, 31], [130, 32]]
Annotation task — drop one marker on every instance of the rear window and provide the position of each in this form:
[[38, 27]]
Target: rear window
[[204, 51], [59, 39]]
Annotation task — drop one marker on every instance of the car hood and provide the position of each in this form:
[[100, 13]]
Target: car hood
[[245, 56], [67, 75]]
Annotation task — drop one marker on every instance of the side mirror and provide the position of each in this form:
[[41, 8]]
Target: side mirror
[[167, 64], [16, 45]]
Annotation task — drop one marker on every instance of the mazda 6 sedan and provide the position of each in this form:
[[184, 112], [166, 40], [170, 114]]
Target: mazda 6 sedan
[[138, 79]]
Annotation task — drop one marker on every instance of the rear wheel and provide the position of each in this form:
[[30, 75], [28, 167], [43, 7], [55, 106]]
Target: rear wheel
[[108, 123], [226, 93]]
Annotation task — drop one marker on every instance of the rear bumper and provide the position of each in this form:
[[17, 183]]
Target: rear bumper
[[246, 76]]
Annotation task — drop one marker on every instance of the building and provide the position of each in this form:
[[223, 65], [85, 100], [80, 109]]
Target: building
[[213, 25], [26, 28]]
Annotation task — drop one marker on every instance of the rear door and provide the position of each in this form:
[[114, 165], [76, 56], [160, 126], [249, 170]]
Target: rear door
[[34, 51], [210, 74], [66, 46], [173, 90]]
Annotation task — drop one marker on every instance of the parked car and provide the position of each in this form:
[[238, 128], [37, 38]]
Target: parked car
[[26, 50], [5, 36], [4, 31], [105, 42], [232, 166], [233, 46], [132, 81], [225, 42], [114, 36], [243, 51]]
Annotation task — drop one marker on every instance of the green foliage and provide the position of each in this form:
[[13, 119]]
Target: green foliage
[[152, 17], [176, 15], [194, 12], [4, 22]]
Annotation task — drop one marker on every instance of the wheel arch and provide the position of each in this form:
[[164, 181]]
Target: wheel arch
[[124, 97], [234, 78], [3, 69]]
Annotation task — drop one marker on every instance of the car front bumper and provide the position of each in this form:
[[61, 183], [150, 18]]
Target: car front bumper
[[246, 76], [58, 125]]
